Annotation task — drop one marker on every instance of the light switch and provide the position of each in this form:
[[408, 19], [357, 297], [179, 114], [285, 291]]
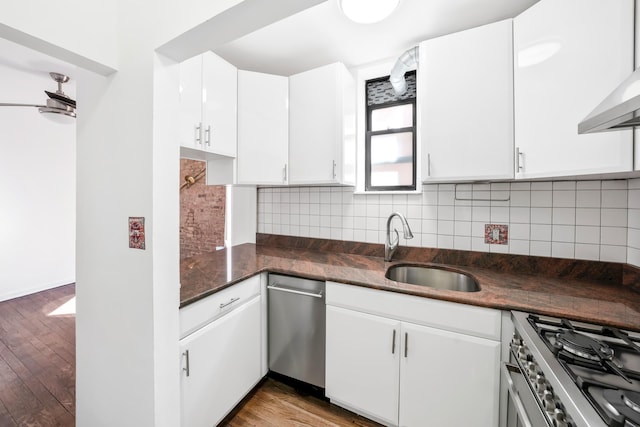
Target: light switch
[[136, 232], [496, 234]]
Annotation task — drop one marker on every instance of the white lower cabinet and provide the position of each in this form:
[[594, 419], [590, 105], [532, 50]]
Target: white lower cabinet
[[448, 379], [221, 363], [362, 363], [398, 372]]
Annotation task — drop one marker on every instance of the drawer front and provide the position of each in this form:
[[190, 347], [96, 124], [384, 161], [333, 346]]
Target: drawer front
[[200, 313], [467, 319]]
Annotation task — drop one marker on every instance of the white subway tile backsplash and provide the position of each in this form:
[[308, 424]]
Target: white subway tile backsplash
[[588, 216], [520, 198], [588, 185], [520, 215], [617, 184], [613, 253], [462, 228], [563, 233], [588, 198], [538, 186], [563, 249], [541, 198], [565, 216], [539, 248], [541, 232], [518, 247], [541, 215], [614, 199], [499, 214], [613, 236], [634, 199], [593, 220], [613, 217], [633, 240], [587, 234], [445, 242], [430, 226], [564, 199], [587, 251], [462, 213], [481, 213], [462, 243], [445, 227]]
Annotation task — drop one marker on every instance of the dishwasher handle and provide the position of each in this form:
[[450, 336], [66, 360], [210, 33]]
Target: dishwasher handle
[[274, 287]]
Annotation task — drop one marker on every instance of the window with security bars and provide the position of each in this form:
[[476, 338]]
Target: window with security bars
[[390, 145]]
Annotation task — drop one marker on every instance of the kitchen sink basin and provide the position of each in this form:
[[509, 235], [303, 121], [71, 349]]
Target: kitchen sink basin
[[433, 277]]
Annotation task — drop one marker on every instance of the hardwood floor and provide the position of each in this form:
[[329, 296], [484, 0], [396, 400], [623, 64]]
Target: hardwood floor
[[37, 375], [37, 360], [275, 404]]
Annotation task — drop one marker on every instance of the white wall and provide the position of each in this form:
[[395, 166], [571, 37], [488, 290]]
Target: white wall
[[562, 219], [37, 186]]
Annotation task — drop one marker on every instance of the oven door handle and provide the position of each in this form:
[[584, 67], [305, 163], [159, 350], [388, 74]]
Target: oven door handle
[[507, 370]]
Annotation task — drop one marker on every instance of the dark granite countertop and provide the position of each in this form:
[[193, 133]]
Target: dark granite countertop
[[569, 294]]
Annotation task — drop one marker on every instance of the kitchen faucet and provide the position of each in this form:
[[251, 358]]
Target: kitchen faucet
[[389, 247]]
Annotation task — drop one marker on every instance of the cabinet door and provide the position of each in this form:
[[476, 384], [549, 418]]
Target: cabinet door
[[316, 125], [190, 90], [569, 55], [220, 102], [263, 128], [224, 363], [448, 379], [362, 363], [466, 98]]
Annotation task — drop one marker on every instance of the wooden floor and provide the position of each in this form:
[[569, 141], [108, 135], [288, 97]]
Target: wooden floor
[[275, 404], [37, 361], [37, 375]]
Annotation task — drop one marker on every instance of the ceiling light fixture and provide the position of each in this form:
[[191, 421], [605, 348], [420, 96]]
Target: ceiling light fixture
[[367, 11]]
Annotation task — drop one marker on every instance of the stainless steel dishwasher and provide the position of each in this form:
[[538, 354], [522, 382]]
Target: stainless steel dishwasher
[[297, 328]]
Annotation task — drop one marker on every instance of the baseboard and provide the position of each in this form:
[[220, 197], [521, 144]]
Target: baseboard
[[34, 289]]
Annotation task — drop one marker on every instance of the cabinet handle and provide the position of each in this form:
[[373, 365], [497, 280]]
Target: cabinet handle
[[334, 169], [393, 343], [284, 174], [199, 133], [406, 344], [231, 301], [186, 368], [519, 157], [428, 164], [207, 136]]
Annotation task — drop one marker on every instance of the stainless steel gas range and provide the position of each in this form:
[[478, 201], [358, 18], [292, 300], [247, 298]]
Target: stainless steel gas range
[[571, 374]]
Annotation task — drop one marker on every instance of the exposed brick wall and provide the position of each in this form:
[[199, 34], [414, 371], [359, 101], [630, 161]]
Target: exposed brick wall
[[202, 212]]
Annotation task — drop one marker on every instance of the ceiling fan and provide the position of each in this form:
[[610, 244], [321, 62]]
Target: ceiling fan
[[58, 103]]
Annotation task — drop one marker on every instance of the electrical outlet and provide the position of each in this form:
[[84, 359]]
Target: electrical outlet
[[496, 234]]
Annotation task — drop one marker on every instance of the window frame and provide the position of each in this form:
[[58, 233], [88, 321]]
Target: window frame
[[369, 133]]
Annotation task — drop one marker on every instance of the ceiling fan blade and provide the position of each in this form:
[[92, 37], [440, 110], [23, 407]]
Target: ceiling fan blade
[[61, 98], [9, 104]]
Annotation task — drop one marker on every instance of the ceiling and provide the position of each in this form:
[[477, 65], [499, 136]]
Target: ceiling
[[322, 34]]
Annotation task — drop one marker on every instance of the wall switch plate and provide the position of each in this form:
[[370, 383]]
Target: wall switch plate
[[496, 234], [136, 232]]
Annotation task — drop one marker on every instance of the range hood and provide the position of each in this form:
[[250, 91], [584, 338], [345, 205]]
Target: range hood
[[619, 110]]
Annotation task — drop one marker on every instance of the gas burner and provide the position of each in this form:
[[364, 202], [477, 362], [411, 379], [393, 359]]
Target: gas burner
[[583, 346], [624, 404]]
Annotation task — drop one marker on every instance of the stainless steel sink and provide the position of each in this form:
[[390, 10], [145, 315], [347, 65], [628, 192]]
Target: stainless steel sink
[[433, 277]]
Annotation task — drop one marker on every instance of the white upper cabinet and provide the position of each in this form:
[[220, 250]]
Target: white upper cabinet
[[569, 55], [465, 93], [263, 128], [208, 105], [322, 126]]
